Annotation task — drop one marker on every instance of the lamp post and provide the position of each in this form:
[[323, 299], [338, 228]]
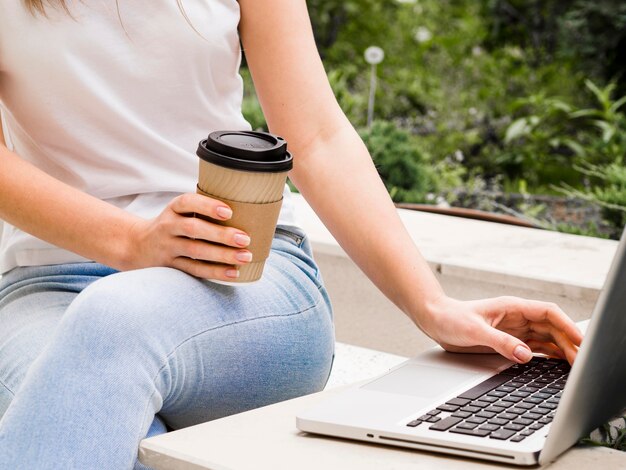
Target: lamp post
[[373, 55]]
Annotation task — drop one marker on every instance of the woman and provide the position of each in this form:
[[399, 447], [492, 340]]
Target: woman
[[107, 331]]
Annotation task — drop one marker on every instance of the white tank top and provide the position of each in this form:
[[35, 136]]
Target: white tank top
[[115, 105]]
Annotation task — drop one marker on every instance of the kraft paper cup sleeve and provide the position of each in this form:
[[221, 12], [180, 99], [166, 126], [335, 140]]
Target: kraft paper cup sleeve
[[257, 220]]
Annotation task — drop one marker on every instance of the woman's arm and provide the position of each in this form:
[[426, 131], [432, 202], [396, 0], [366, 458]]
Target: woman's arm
[[334, 172], [66, 217]]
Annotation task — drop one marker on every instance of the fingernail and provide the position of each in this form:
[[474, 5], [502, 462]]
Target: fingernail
[[224, 212], [234, 273], [522, 353], [241, 239], [244, 256]]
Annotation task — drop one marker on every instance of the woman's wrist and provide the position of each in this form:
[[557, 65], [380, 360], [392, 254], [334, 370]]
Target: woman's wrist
[[426, 311]]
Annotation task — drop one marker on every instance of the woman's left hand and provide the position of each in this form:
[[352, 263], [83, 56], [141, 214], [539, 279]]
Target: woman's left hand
[[510, 326]]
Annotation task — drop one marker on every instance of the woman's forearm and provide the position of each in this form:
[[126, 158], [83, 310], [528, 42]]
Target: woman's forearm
[[62, 215], [358, 211]]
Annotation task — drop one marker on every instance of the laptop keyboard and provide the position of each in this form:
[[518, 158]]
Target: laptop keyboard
[[511, 405]]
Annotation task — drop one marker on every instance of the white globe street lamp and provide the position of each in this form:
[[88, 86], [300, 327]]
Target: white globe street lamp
[[374, 55]]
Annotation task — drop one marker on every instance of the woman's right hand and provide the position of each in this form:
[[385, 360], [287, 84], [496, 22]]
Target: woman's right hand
[[196, 246]]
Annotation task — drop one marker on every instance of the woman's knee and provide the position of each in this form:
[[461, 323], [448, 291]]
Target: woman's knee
[[125, 311], [252, 364]]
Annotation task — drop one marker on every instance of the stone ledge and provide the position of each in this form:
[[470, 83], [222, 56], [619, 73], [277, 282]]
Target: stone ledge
[[566, 265]]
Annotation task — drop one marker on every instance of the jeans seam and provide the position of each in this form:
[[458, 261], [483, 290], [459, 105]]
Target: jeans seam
[[171, 353], [7, 388]]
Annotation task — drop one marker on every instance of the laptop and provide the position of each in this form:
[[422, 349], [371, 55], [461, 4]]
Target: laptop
[[484, 406]]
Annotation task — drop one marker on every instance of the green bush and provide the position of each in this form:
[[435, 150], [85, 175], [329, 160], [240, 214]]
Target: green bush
[[407, 172], [250, 107], [607, 187], [517, 93], [551, 136]]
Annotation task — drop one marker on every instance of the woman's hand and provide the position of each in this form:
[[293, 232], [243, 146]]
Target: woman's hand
[[510, 326], [196, 246]]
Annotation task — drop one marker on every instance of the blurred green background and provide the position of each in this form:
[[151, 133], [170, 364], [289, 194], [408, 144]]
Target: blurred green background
[[514, 106]]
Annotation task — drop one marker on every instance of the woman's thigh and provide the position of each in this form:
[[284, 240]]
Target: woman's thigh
[[32, 302], [197, 350]]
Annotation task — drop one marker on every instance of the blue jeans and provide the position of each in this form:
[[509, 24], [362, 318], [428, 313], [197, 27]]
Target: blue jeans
[[93, 360]]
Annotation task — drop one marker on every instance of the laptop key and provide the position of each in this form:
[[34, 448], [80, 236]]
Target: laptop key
[[512, 399], [486, 414], [536, 426], [484, 387], [434, 412], [471, 432], [545, 420], [503, 404], [518, 438], [523, 421], [476, 420], [527, 432], [498, 421], [523, 379], [450, 408], [507, 416], [550, 406], [542, 380], [489, 427], [525, 406], [471, 409], [494, 409], [467, 425], [506, 389], [415, 422], [516, 411], [433, 419], [458, 401], [489, 399], [532, 416], [533, 400], [496, 393], [480, 403], [445, 424], [541, 411], [514, 427], [501, 434], [461, 414]]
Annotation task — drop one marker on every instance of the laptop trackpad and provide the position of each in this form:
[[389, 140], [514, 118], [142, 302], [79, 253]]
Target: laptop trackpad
[[420, 380]]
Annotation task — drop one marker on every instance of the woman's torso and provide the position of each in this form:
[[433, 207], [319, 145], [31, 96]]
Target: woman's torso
[[114, 102]]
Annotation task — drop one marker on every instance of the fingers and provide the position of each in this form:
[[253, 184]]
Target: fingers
[[199, 229], [549, 349], [509, 346], [203, 251], [547, 320], [205, 270], [196, 203], [201, 247], [551, 313]]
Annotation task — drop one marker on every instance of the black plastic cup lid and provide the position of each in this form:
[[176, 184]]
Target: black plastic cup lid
[[247, 151]]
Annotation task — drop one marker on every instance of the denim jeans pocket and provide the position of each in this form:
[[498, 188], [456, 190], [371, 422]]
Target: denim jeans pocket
[[291, 234]]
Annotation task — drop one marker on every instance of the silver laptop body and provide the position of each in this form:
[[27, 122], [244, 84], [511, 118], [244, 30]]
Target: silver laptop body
[[379, 410]]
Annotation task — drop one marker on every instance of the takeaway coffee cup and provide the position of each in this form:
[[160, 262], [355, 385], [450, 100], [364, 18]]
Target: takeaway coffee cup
[[246, 170]]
